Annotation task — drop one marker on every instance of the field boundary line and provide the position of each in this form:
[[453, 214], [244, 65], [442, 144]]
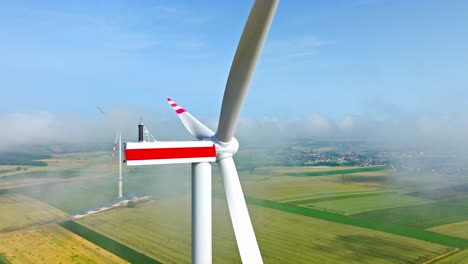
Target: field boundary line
[[343, 219], [455, 251], [108, 244], [306, 202]]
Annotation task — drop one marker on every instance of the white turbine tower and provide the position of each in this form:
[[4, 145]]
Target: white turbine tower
[[118, 136], [220, 146]]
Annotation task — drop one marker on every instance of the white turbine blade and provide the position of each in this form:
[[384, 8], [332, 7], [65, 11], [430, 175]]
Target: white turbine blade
[[243, 66], [245, 236], [193, 125], [115, 144]]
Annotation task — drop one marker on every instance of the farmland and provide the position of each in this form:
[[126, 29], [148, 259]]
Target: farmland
[[352, 202], [51, 244], [76, 182], [378, 226], [284, 188], [421, 216], [18, 211], [68, 196], [334, 214], [314, 198], [365, 204], [337, 171], [59, 168], [106, 243], [457, 258], [161, 229], [459, 229], [273, 182]]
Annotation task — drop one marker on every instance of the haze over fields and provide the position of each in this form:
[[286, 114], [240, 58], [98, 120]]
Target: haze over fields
[[444, 132]]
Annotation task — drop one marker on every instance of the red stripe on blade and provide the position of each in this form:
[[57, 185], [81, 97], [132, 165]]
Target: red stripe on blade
[[170, 153], [180, 111]]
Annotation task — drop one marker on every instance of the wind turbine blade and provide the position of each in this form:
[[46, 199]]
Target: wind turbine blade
[[100, 110], [243, 66], [193, 125], [245, 236]]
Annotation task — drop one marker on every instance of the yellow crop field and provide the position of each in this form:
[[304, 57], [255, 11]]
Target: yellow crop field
[[18, 211], [365, 204], [51, 244], [161, 230], [459, 229], [283, 188]]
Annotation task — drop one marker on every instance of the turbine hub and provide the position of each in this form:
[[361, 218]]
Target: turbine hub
[[225, 150]]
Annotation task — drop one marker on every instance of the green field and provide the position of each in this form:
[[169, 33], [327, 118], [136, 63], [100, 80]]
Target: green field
[[368, 203], [378, 226], [18, 211], [4, 260], [106, 243], [161, 229], [310, 199], [421, 216], [355, 201], [20, 158]]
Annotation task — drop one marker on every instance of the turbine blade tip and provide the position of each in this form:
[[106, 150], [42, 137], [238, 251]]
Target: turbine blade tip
[[169, 99]]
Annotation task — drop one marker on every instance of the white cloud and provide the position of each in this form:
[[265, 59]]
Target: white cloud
[[347, 123], [316, 123]]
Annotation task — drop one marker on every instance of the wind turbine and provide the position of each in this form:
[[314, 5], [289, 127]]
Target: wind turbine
[[220, 146], [118, 136]]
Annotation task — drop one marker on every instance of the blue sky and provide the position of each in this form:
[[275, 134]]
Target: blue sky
[[363, 57]]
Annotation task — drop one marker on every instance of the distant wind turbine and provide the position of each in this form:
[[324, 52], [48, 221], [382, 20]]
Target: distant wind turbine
[[118, 136]]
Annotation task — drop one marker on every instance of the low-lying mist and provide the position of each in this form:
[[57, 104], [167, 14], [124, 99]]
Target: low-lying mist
[[430, 132], [428, 136]]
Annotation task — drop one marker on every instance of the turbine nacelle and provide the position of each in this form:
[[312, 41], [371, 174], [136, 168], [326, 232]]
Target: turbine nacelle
[[225, 150]]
